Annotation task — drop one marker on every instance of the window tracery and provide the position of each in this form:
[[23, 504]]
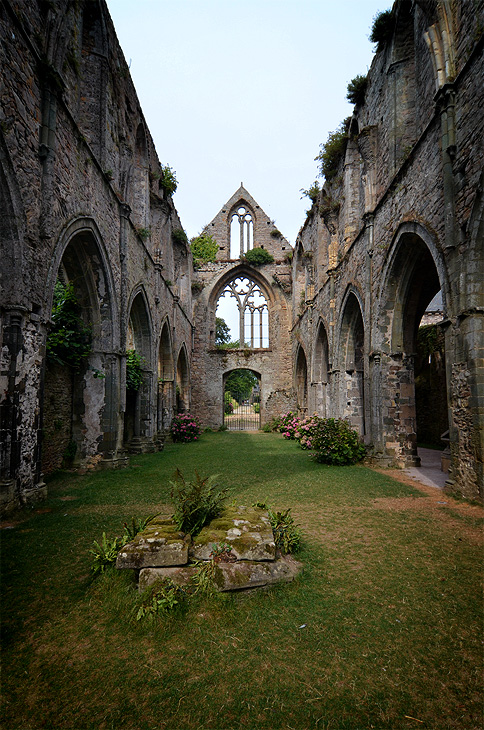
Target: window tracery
[[248, 316], [241, 232]]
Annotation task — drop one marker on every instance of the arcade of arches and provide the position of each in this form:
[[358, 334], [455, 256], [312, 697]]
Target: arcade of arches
[[333, 325]]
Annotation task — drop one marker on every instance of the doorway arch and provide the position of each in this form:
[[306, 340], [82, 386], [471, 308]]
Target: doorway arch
[[413, 275], [242, 399], [301, 377]]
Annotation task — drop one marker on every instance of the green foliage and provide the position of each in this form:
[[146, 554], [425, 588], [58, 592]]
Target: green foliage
[[204, 249], [178, 235], [168, 180], [286, 534], [382, 29], [69, 341], [272, 425], [134, 374], [104, 553], [197, 287], [240, 384], [137, 525], [222, 332], [257, 257], [430, 339], [275, 233], [161, 597], [144, 233], [196, 502], [203, 581], [356, 90], [336, 443], [332, 151], [312, 192], [256, 407]]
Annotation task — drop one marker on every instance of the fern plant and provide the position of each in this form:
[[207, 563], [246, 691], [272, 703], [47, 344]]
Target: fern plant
[[196, 502]]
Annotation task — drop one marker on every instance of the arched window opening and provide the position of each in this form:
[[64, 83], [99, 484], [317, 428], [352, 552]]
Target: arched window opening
[[165, 401], [320, 371], [242, 400], [241, 232], [302, 381], [430, 379], [182, 383], [137, 417], [244, 308], [352, 341]]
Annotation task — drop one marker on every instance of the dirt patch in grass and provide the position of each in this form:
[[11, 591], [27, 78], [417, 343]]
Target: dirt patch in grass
[[461, 516]]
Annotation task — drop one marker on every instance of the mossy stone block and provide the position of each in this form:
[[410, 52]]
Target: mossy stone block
[[247, 530], [160, 544]]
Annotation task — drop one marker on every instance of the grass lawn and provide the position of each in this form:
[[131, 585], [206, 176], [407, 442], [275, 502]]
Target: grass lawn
[[383, 629]]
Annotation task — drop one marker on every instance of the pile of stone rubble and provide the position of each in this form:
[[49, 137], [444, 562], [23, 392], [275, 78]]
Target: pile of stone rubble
[[240, 541]]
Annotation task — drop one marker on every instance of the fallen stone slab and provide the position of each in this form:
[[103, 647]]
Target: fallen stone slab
[[238, 576], [160, 544], [247, 530]]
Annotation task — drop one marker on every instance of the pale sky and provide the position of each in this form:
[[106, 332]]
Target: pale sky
[[244, 91]]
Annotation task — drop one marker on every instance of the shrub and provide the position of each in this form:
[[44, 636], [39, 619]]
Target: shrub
[[336, 443], [332, 151], [134, 373], [289, 424], [168, 180], [258, 256], [196, 502], [204, 249], [185, 428], [256, 407], [69, 341], [307, 430], [382, 29], [356, 90]]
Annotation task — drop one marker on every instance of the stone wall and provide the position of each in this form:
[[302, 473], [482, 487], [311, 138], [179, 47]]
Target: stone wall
[[404, 219], [82, 197]]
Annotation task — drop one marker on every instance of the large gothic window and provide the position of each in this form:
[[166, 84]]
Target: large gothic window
[[243, 307], [241, 232]]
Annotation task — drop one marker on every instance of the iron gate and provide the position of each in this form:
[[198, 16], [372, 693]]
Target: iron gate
[[241, 413]]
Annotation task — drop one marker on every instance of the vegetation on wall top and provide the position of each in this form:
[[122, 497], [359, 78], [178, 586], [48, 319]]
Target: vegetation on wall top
[[69, 341], [356, 89], [168, 179], [382, 29], [258, 256], [204, 249], [333, 150], [178, 235], [312, 192]]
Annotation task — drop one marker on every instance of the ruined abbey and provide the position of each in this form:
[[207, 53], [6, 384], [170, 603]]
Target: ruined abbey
[[329, 326]]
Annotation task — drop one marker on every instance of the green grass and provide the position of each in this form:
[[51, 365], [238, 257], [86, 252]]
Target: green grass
[[390, 602]]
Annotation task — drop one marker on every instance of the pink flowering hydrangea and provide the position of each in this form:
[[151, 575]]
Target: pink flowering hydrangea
[[185, 428]]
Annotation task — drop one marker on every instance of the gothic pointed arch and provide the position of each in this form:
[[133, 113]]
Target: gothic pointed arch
[[413, 275], [301, 380], [320, 369], [350, 349], [241, 224], [182, 381], [81, 398], [247, 297]]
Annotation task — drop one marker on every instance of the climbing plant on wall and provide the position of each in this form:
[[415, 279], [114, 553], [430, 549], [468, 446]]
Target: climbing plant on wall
[[69, 341], [134, 373]]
